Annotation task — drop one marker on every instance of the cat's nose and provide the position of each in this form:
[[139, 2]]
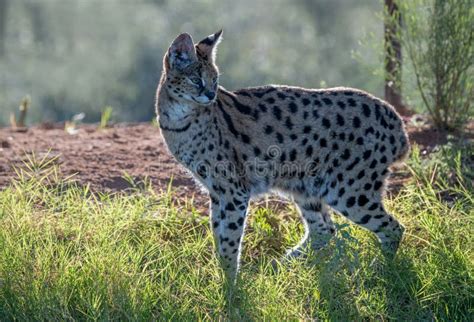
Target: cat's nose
[[210, 95]]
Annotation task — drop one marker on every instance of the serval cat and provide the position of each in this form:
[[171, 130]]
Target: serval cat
[[323, 148]]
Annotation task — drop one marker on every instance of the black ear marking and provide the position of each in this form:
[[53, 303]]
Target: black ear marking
[[211, 39], [206, 48]]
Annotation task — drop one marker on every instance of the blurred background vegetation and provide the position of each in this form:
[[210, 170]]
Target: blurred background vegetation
[[80, 56], [64, 57]]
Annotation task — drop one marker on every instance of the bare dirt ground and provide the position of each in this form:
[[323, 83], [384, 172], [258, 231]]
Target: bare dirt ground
[[102, 157]]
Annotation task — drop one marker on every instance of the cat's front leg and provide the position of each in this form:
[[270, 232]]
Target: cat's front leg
[[228, 217]]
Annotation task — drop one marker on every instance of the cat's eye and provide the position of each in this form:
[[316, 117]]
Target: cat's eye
[[196, 80]]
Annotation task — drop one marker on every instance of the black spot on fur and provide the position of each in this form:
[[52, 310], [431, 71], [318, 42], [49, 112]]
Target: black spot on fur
[[356, 122], [305, 101], [325, 122], [394, 150], [268, 129], [341, 104], [293, 107], [369, 130], [341, 192], [366, 154], [230, 206], [377, 185], [270, 100], [327, 101], [373, 206], [392, 139], [362, 200], [366, 110], [279, 137], [237, 202], [374, 176], [373, 164], [339, 120], [293, 155], [353, 164], [245, 138], [350, 202], [364, 219], [340, 177], [377, 111], [277, 113], [289, 123], [315, 114], [262, 107], [323, 143]]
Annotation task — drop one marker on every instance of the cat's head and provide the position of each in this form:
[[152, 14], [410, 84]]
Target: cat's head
[[191, 72]]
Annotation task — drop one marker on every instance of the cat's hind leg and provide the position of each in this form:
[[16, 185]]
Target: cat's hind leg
[[319, 227]]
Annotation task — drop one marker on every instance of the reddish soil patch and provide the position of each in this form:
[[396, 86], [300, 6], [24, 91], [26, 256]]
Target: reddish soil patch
[[98, 157], [101, 157]]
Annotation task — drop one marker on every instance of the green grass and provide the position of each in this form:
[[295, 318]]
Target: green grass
[[68, 254]]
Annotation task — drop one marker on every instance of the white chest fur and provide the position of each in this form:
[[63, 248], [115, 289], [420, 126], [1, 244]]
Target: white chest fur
[[175, 113]]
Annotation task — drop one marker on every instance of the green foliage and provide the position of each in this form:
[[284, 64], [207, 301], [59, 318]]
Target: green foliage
[[23, 109], [105, 117], [439, 40], [66, 253], [78, 56]]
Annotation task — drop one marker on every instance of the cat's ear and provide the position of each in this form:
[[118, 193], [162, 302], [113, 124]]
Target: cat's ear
[[181, 52], [207, 47]]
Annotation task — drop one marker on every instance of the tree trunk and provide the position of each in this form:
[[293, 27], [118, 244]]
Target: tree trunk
[[3, 25], [38, 22], [393, 57]]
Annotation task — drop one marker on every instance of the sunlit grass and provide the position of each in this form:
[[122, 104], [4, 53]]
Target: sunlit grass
[[68, 254]]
